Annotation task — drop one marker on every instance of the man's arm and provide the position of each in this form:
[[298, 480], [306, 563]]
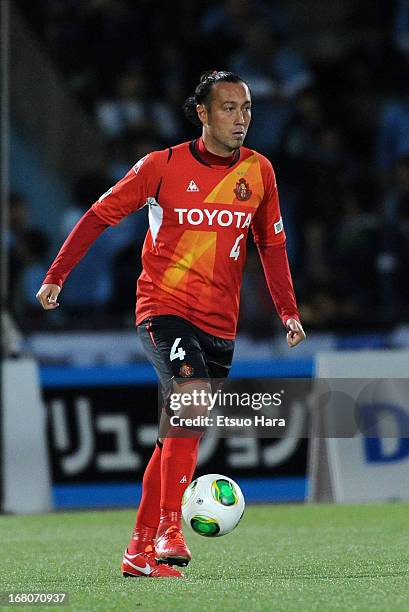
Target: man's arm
[[85, 232], [127, 196], [269, 236], [278, 277]]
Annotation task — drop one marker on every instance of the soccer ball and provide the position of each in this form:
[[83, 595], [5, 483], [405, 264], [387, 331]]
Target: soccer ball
[[212, 505]]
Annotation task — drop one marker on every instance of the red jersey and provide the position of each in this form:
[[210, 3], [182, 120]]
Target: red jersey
[[199, 217]]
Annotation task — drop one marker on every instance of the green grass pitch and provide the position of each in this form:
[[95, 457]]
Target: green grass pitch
[[295, 557]]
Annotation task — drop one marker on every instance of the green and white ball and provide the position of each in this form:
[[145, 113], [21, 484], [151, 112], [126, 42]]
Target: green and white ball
[[212, 505]]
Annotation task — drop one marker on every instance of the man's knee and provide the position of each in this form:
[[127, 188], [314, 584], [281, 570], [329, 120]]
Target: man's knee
[[192, 399]]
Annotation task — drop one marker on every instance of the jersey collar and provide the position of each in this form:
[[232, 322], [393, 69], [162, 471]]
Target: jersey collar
[[194, 149]]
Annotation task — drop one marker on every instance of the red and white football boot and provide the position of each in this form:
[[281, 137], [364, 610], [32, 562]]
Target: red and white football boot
[[144, 565], [170, 545]]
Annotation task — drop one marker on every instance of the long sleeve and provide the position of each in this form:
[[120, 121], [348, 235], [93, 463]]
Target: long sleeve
[[270, 239], [129, 194], [278, 277], [85, 232]]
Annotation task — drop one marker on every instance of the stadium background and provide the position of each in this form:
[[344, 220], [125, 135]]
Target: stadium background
[[96, 85]]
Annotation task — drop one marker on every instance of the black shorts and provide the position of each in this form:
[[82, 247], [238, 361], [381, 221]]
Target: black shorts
[[177, 349]]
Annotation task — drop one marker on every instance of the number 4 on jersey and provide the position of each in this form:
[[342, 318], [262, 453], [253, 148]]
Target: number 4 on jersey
[[179, 353], [235, 251]]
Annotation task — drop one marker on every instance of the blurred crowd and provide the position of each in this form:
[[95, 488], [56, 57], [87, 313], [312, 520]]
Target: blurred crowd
[[335, 126]]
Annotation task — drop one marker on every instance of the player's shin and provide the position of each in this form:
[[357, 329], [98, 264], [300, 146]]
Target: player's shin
[[179, 458], [180, 449], [147, 518]]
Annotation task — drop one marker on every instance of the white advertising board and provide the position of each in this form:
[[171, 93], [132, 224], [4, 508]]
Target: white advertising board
[[24, 462], [359, 449]]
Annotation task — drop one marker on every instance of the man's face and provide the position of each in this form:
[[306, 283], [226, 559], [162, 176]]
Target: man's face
[[226, 122]]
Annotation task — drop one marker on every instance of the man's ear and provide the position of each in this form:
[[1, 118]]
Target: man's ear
[[202, 113]]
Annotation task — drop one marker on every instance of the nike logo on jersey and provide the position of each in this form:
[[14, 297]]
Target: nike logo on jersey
[[192, 186], [223, 218]]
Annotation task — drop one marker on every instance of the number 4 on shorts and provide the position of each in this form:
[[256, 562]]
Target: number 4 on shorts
[[179, 353]]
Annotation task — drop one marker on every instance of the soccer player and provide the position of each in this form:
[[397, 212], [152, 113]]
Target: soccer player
[[203, 196]]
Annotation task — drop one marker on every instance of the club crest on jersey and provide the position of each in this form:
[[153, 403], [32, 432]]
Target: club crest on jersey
[[242, 190], [186, 370]]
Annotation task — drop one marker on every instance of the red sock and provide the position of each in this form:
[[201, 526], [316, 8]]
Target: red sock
[[147, 518], [179, 458]]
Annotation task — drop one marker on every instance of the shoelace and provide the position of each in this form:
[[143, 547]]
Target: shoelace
[[175, 533]]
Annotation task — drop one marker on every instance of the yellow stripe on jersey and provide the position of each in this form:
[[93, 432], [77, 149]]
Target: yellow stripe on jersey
[[249, 169], [195, 252]]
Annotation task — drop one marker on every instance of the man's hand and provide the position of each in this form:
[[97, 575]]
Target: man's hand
[[295, 334], [47, 296]]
